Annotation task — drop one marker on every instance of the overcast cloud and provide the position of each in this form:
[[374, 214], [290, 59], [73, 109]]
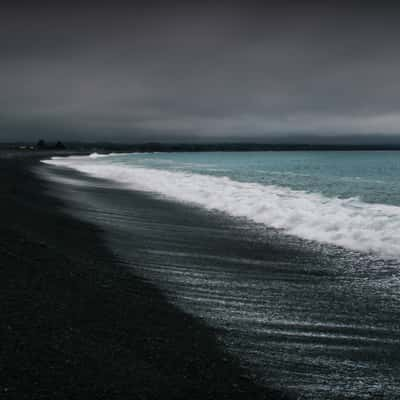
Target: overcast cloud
[[192, 72]]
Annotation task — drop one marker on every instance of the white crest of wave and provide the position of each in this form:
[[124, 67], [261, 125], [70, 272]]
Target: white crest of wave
[[101, 155], [348, 223]]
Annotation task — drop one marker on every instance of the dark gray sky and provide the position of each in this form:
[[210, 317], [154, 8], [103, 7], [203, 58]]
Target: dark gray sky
[[187, 71]]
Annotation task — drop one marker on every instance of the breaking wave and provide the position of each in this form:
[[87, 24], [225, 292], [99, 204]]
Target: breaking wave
[[349, 223]]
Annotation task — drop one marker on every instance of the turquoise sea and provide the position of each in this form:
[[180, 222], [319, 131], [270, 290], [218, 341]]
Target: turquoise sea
[[348, 199], [373, 176]]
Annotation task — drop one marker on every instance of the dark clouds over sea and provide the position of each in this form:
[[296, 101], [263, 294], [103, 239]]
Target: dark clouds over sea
[[199, 71]]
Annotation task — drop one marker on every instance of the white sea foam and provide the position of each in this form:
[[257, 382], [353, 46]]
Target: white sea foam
[[99, 155], [349, 223]]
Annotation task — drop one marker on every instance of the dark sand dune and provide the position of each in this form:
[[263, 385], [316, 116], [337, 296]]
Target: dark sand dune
[[75, 323]]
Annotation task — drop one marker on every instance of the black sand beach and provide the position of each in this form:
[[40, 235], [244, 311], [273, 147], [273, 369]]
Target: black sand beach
[[109, 292], [77, 324]]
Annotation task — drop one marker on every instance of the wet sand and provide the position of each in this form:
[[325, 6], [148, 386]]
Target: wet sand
[[77, 324]]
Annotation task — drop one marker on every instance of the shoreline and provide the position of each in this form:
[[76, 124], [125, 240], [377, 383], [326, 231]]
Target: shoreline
[[76, 323]]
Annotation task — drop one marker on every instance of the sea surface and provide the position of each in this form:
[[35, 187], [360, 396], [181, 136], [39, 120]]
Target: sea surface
[[294, 257]]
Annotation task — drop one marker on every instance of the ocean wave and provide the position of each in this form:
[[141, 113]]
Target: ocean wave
[[106, 155], [349, 223]]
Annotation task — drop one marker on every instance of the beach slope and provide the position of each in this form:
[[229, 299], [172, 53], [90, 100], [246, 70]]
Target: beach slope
[[77, 324]]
